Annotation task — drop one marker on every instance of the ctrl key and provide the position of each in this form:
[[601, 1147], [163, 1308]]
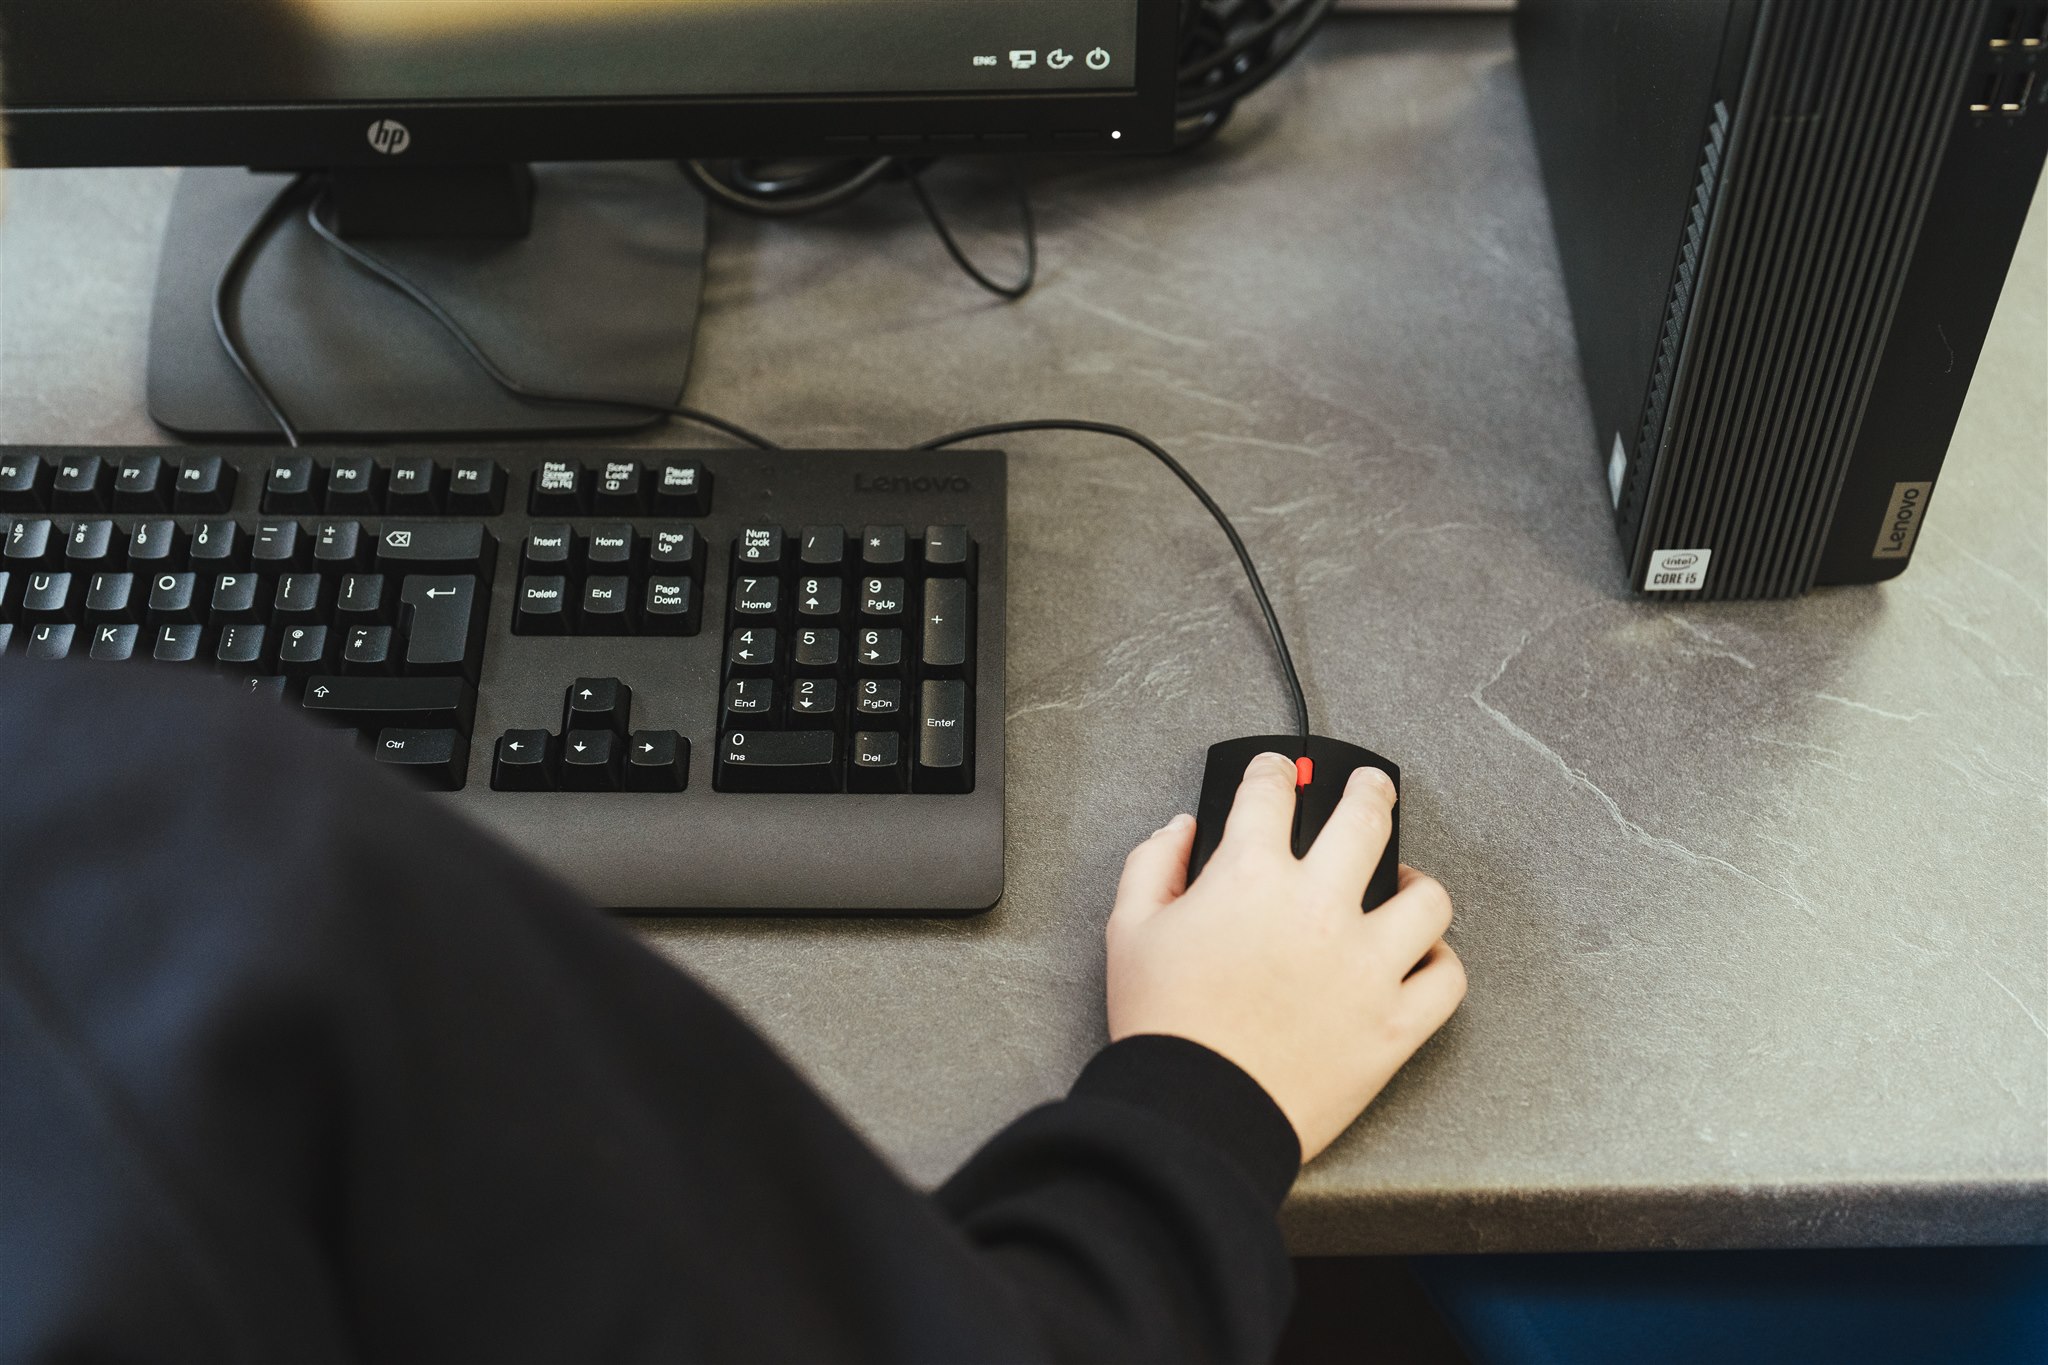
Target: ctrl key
[[437, 759]]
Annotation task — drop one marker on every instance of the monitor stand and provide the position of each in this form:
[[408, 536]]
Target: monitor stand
[[597, 294]]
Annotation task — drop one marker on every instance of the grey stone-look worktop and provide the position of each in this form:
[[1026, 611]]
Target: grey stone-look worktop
[[1754, 897]]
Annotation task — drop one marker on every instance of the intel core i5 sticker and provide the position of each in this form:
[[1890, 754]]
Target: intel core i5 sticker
[[1677, 570]]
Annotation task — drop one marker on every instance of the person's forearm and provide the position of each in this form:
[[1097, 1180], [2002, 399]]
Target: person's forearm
[[1135, 1220]]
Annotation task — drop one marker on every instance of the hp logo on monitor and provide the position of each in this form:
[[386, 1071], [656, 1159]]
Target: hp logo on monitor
[[389, 136]]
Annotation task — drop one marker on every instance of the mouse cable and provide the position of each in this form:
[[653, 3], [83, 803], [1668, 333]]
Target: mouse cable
[[427, 304], [226, 287], [1180, 472], [740, 185]]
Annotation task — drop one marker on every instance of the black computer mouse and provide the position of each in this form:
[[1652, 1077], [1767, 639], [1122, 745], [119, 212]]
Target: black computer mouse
[[1329, 764]]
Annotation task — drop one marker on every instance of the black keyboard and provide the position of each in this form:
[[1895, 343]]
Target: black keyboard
[[681, 680]]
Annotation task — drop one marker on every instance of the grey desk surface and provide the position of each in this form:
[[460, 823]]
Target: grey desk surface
[[1754, 897]]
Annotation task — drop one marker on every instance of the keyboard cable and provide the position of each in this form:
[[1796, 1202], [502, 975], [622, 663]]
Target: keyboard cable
[[226, 290], [427, 303]]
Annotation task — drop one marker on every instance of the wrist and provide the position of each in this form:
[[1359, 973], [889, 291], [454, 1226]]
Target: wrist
[[1205, 1093]]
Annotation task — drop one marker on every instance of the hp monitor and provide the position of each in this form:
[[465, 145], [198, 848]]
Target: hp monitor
[[519, 159]]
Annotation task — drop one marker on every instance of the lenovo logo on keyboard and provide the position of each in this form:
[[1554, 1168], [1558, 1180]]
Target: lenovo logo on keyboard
[[909, 483]]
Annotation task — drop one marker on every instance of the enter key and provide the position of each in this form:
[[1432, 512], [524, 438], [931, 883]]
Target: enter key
[[443, 624], [945, 739]]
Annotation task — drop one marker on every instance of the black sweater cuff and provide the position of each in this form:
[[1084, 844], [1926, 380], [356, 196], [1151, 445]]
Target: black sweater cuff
[[1206, 1094]]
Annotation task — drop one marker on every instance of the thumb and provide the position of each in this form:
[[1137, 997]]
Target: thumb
[[1156, 873]]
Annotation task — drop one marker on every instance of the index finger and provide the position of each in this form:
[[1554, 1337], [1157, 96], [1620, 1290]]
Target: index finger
[[1262, 817]]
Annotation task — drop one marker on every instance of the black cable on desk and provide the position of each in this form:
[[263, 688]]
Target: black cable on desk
[[1159, 452], [756, 189], [497, 375], [1009, 292], [225, 287], [752, 188]]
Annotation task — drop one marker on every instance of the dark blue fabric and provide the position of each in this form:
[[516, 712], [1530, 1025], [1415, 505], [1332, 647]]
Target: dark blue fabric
[[1943, 1306]]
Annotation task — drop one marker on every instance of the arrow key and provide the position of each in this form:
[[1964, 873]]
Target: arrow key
[[814, 703], [525, 762], [819, 599], [598, 704], [657, 761], [752, 650], [878, 650], [590, 761]]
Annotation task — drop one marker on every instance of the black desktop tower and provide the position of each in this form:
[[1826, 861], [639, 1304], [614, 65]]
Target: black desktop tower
[[1784, 226]]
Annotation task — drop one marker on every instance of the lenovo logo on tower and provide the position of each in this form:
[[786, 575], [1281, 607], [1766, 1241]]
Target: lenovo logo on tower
[[1902, 520]]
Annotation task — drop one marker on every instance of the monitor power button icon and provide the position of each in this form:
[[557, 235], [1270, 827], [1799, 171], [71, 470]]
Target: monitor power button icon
[[1098, 59]]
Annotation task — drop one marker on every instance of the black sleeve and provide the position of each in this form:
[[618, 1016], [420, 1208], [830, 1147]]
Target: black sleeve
[[1137, 1216], [297, 1066]]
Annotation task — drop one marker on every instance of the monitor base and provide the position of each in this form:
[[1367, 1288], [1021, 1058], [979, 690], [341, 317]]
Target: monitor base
[[600, 297]]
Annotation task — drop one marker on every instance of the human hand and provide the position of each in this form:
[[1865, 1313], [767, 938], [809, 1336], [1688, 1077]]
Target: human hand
[[1267, 959]]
